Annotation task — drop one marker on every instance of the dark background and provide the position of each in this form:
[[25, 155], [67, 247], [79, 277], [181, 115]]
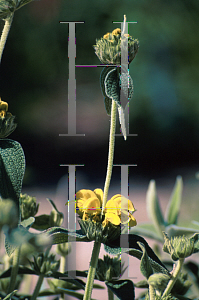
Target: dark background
[[164, 109]]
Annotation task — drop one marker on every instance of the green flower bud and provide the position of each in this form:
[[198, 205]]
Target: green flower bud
[[28, 206], [109, 268], [178, 247], [108, 48], [169, 297], [8, 213], [95, 231], [63, 249], [159, 281], [56, 218], [45, 263]]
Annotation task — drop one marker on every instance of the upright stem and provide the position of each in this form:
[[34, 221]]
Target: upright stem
[[62, 270], [110, 154], [38, 287], [91, 272], [5, 32], [174, 277], [14, 271], [97, 245]]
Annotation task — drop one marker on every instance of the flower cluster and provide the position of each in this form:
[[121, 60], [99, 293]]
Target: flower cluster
[[117, 210], [108, 48]]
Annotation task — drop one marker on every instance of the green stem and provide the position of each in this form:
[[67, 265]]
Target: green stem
[[91, 272], [38, 287], [14, 272], [62, 264], [151, 293], [97, 245], [5, 32], [110, 295], [110, 154], [174, 277]]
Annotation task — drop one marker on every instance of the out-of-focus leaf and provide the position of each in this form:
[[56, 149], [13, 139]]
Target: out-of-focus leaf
[[174, 230], [27, 223], [173, 207], [123, 289], [9, 296], [153, 208], [147, 230]]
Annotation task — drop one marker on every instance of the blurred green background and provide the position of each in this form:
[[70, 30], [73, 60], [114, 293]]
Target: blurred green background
[[163, 112]]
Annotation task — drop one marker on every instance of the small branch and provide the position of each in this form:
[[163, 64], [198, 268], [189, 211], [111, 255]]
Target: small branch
[[174, 277], [110, 295], [14, 271], [5, 32]]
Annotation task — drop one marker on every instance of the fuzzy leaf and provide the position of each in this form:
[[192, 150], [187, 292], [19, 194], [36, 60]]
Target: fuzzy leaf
[[123, 289], [60, 235], [195, 239], [173, 207], [145, 264], [111, 85], [12, 168], [134, 249], [153, 208], [107, 100]]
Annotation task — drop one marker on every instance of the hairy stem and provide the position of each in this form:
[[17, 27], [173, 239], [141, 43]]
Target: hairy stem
[[91, 272], [14, 272], [5, 32], [110, 154], [151, 293], [174, 277], [97, 245], [38, 287]]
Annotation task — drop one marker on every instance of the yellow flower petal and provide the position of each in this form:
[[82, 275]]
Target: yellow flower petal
[[113, 218], [99, 194], [85, 194]]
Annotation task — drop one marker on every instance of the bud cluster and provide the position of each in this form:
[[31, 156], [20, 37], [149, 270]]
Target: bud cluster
[[108, 48]]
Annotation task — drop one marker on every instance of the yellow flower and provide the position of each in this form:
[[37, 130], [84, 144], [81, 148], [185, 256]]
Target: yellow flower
[[117, 211], [89, 203]]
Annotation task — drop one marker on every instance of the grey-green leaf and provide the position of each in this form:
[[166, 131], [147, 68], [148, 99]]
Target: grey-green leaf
[[112, 87], [107, 100], [145, 265], [153, 208], [12, 169], [173, 207]]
